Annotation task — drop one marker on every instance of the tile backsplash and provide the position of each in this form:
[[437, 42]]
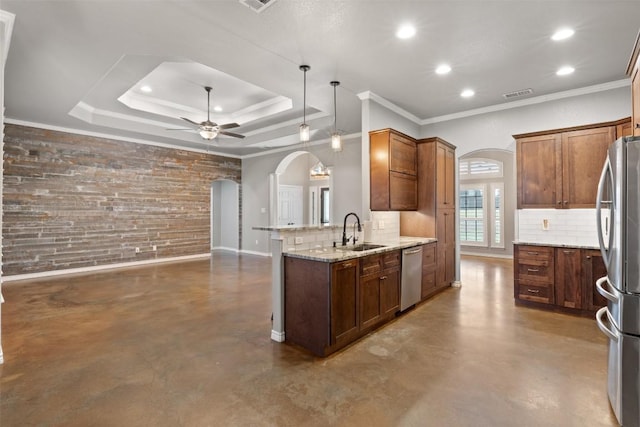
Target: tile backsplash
[[563, 226]]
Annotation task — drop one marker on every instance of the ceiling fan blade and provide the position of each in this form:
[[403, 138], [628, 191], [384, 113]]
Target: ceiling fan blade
[[235, 135], [187, 129], [228, 125], [190, 121]]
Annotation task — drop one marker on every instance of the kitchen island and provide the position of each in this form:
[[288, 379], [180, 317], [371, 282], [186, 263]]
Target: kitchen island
[[334, 296]]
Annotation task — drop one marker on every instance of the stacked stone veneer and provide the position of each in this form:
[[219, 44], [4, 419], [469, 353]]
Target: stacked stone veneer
[[73, 201]]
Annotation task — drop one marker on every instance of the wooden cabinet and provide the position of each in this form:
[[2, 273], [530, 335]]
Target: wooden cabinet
[[593, 268], [379, 288], [568, 278], [534, 274], [435, 215], [624, 128], [633, 71], [393, 171], [562, 278], [329, 305], [428, 270], [560, 169], [445, 179], [345, 320]]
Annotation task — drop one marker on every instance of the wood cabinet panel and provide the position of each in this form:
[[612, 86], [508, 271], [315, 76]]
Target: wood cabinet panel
[[392, 167], [583, 155], [369, 301], [390, 293], [593, 268], [539, 163], [568, 280], [534, 273], [345, 319], [403, 194], [445, 176], [624, 128]]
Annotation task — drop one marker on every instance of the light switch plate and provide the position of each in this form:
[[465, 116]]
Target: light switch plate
[[298, 240]]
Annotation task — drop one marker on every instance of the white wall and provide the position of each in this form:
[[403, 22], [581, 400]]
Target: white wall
[[495, 130], [224, 215], [347, 188]]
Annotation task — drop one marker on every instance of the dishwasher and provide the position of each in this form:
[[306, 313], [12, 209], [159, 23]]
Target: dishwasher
[[411, 279]]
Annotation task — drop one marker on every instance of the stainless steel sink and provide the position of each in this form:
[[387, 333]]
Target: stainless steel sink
[[363, 247]]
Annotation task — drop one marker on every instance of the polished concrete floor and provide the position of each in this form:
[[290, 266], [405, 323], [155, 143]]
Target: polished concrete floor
[[187, 344]]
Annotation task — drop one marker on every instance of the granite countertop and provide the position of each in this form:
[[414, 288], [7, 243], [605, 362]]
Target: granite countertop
[[556, 245], [342, 253], [297, 227]]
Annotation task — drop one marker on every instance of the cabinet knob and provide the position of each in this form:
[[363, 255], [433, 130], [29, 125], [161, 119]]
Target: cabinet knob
[[588, 256], [559, 202], [566, 201], [568, 252]]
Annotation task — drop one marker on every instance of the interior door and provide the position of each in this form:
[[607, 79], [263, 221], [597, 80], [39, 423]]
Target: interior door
[[290, 205]]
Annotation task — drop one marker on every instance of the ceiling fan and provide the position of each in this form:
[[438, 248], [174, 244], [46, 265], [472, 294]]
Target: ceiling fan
[[208, 129]]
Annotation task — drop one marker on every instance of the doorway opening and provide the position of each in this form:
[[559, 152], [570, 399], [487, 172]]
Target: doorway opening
[[225, 215]]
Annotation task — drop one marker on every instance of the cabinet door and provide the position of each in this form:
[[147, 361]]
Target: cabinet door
[[592, 269], [568, 282], [445, 176], [369, 300], [583, 155], [344, 301], [390, 292], [403, 194], [402, 155], [624, 129], [539, 167], [445, 232]]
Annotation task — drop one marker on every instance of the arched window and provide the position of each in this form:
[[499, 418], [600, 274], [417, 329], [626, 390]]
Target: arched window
[[481, 202]]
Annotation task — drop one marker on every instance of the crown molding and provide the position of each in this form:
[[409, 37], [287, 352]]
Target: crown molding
[[368, 95]]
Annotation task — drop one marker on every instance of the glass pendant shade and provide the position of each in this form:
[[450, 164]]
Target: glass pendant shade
[[336, 142], [304, 132]]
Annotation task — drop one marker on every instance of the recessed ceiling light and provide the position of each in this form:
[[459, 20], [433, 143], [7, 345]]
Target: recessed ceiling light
[[562, 34], [217, 108], [146, 88], [467, 93], [406, 31], [443, 69], [563, 71]]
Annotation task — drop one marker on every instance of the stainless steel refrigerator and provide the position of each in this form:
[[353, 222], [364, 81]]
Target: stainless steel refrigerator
[[618, 222]]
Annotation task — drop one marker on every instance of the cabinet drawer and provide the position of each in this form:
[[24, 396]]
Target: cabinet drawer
[[391, 259], [429, 254], [370, 265], [428, 282], [543, 294], [535, 273], [535, 253]]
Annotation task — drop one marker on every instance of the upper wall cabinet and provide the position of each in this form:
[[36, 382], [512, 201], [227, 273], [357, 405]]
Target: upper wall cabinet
[[560, 168], [393, 171], [633, 71]]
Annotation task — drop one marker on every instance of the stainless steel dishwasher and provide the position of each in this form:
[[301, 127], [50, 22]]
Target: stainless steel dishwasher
[[410, 282]]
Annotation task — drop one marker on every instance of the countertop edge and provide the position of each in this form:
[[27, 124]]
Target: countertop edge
[[556, 245], [338, 254]]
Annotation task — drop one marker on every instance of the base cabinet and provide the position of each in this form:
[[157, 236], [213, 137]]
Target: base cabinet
[[330, 305], [561, 278]]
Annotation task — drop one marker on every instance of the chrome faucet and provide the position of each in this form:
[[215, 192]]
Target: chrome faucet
[[345, 239]]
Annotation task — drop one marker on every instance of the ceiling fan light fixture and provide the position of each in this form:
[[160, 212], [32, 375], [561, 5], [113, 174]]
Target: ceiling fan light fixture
[[305, 133], [208, 133]]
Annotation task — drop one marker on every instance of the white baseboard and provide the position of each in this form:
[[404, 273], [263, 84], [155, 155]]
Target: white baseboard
[[277, 336], [244, 251], [100, 267], [225, 248], [488, 255]]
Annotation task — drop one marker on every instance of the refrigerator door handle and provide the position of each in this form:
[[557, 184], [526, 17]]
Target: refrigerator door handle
[[602, 291], [606, 252], [608, 332]]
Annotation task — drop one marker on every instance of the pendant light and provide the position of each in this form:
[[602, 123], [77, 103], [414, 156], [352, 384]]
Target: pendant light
[[336, 141], [304, 127]]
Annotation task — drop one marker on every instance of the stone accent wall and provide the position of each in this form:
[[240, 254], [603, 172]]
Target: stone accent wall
[[74, 201]]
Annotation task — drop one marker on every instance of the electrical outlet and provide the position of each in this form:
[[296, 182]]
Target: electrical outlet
[[155, 248], [299, 240], [263, 210], [137, 250], [380, 225], [256, 242], [545, 224]]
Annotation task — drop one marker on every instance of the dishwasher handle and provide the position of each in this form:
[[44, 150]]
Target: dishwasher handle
[[411, 251]]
